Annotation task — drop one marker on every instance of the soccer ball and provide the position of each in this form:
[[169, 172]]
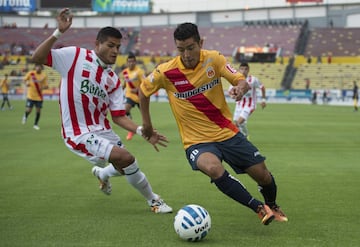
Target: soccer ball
[[192, 223]]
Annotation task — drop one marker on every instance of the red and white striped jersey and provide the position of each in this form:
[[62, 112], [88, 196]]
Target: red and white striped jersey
[[88, 91], [249, 99]]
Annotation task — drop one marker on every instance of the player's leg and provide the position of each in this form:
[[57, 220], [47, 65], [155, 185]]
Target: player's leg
[[241, 121], [355, 104], [126, 163], [8, 102], [102, 148], [3, 102], [28, 108], [128, 106], [205, 157], [243, 156], [38, 106], [268, 188]]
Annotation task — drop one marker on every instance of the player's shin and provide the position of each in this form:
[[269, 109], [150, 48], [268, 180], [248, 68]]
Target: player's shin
[[269, 192], [138, 180], [233, 188]]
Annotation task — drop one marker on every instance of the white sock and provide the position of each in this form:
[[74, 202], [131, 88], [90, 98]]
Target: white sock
[[109, 171], [138, 180]]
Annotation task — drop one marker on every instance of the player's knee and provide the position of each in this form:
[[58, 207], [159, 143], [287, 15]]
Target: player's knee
[[121, 158], [265, 177], [131, 169]]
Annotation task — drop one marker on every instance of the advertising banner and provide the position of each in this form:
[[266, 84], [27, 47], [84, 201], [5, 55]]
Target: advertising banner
[[121, 6], [17, 5], [306, 1]]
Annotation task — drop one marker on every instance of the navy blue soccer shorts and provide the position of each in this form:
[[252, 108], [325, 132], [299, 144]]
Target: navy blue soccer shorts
[[237, 151], [31, 103], [132, 103]]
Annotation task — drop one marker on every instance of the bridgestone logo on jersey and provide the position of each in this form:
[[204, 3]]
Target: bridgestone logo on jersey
[[87, 87], [196, 91]]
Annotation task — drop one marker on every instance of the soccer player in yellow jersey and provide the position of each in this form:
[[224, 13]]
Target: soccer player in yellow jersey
[[192, 81], [132, 76], [5, 92], [36, 80], [355, 96]]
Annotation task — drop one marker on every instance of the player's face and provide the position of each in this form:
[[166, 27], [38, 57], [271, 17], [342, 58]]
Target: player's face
[[189, 51], [108, 50], [244, 70], [131, 62], [38, 69]]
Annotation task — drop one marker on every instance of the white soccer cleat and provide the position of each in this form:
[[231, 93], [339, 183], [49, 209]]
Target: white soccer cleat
[[105, 185], [36, 127], [160, 207], [23, 120]]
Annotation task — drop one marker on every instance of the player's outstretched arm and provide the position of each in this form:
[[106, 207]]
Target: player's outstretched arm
[[64, 21], [127, 124], [145, 113], [157, 138], [238, 91]]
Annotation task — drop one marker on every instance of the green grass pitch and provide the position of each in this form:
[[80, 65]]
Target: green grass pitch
[[49, 197]]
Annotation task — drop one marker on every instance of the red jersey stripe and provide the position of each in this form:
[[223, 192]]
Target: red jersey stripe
[[70, 95], [81, 147], [37, 86], [199, 101]]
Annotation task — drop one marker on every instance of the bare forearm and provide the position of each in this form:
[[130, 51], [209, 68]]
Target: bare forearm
[[125, 123], [145, 109], [41, 52], [64, 21]]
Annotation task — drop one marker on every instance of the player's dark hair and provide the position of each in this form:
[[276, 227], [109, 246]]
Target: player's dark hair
[[131, 55], [244, 65], [185, 31], [107, 32]]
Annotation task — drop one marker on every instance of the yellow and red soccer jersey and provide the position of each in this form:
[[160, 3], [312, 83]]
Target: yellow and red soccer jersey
[[196, 96], [35, 83], [133, 79], [4, 86]]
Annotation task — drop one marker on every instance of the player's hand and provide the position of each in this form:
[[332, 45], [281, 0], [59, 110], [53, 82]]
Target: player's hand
[[64, 20], [147, 131], [238, 91], [157, 138]]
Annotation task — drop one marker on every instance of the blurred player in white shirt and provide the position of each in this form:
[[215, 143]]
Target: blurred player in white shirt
[[247, 104]]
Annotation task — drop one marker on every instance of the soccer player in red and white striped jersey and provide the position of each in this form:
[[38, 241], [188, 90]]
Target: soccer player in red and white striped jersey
[[89, 91], [247, 105]]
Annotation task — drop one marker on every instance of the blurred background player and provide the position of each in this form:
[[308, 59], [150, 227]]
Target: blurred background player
[[5, 92], [247, 105], [355, 96], [133, 76], [89, 91], [36, 80]]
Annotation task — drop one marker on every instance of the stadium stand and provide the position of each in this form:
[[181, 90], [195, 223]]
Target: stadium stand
[[337, 41], [327, 76], [28, 38], [159, 41]]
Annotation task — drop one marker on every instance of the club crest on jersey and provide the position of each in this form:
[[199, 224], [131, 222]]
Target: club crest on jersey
[[230, 68], [210, 72]]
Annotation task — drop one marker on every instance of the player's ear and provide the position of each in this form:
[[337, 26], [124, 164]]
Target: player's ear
[[97, 44], [201, 42]]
